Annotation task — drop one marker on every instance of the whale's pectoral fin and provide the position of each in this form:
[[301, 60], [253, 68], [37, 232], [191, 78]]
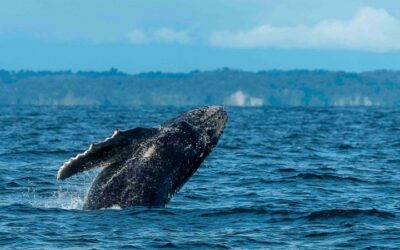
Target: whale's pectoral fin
[[116, 148]]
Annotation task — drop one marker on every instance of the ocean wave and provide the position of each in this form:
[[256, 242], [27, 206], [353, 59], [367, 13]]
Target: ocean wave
[[315, 176], [36, 152], [287, 170], [348, 214], [245, 210], [279, 214], [319, 234], [25, 208], [310, 177], [345, 146], [146, 210]]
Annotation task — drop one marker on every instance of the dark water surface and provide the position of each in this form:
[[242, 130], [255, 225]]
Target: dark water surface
[[311, 178]]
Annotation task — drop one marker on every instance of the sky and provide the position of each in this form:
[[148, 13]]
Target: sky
[[180, 35]]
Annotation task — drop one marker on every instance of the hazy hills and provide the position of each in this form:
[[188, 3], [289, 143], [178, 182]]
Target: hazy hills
[[226, 86]]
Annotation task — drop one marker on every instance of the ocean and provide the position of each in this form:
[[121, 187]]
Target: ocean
[[280, 178]]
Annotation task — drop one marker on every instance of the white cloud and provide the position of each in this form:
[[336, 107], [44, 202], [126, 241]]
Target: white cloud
[[136, 36], [170, 35], [162, 35], [369, 29]]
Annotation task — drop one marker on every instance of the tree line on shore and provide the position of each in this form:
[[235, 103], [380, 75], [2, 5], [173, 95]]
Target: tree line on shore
[[223, 86]]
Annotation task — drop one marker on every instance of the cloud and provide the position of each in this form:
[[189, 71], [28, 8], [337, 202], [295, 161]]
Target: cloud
[[369, 29], [136, 36], [161, 35], [170, 35]]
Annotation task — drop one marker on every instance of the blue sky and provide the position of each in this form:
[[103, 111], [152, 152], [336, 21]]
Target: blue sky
[[182, 35]]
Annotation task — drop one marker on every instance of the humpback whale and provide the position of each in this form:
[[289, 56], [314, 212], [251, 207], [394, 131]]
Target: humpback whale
[[147, 166]]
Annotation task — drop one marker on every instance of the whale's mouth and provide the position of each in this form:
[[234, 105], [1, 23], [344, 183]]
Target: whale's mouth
[[207, 116], [217, 120]]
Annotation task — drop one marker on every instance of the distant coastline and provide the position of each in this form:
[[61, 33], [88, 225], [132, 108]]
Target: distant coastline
[[223, 86]]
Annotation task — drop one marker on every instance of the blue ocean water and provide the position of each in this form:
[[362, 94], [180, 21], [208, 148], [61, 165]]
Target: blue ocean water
[[280, 178]]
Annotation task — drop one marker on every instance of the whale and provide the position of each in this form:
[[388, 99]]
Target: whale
[[147, 166]]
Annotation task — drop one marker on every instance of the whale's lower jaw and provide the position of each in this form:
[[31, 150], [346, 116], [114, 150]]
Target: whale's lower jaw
[[146, 167]]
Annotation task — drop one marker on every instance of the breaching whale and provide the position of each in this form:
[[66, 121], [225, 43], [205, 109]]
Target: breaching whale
[[147, 166]]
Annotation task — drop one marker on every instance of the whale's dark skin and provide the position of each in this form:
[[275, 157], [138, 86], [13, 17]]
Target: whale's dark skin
[[147, 166]]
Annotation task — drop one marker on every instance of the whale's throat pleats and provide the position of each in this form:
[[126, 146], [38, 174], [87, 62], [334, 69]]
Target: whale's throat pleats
[[116, 148]]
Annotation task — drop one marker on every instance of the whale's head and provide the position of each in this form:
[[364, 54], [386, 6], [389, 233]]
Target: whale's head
[[196, 133], [209, 120]]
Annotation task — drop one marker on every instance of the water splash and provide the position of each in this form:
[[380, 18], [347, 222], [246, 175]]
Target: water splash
[[69, 194], [241, 99]]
